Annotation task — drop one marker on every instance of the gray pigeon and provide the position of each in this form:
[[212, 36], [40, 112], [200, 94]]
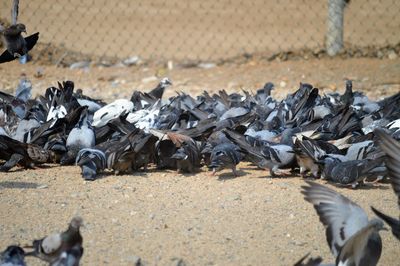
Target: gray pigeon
[[17, 45], [225, 155], [392, 149], [350, 172], [158, 91], [69, 257], [12, 256], [352, 238], [81, 136], [91, 161], [51, 247]]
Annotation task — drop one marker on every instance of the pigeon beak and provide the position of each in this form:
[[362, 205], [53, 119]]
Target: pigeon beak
[[385, 229]]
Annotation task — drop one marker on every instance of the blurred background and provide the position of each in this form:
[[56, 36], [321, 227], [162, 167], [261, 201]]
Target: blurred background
[[201, 30]]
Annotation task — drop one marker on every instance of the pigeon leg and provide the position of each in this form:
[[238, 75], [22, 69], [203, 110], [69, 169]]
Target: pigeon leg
[[354, 185], [302, 171], [272, 172], [214, 172], [13, 161], [234, 171]]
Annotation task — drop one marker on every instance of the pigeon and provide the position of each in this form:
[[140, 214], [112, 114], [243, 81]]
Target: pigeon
[[16, 45], [265, 92], [225, 155], [187, 155], [27, 155], [350, 172], [12, 256], [352, 238], [128, 153], [392, 149], [51, 247], [81, 136], [111, 111], [70, 257], [158, 91], [91, 161], [271, 156]]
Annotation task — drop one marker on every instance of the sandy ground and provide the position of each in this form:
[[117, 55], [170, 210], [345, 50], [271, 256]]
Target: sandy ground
[[201, 29], [204, 220]]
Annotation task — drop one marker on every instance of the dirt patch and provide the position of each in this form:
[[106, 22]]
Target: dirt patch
[[161, 215]]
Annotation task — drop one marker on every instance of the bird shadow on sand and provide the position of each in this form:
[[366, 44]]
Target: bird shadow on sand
[[383, 185], [364, 186], [18, 185], [17, 169], [230, 175]]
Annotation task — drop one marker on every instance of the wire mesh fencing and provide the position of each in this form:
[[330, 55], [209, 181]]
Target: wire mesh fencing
[[202, 29]]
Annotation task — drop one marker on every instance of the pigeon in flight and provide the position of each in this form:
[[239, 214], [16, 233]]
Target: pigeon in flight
[[17, 45], [352, 238], [392, 149]]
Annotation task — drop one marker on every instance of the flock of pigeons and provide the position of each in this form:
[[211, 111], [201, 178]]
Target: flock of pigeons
[[345, 139], [329, 136]]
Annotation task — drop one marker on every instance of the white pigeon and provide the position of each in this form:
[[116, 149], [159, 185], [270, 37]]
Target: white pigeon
[[144, 119], [111, 111]]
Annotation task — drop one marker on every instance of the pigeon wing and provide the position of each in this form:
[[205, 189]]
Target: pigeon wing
[[31, 40], [6, 57], [14, 12], [341, 217], [392, 149], [363, 248]]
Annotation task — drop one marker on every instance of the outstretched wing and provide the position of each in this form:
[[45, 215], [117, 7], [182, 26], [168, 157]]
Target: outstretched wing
[[31, 40], [391, 148], [14, 12], [341, 217]]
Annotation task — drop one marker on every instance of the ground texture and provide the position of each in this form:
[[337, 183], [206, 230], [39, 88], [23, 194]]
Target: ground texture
[[162, 216]]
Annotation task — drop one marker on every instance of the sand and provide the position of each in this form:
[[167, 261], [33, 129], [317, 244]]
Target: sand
[[162, 216]]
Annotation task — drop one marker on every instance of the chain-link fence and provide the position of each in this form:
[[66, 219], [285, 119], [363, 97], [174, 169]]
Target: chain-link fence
[[202, 29]]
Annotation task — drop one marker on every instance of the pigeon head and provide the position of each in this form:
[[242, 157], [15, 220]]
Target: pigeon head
[[165, 82], [377, 224], [21, 27], [76, 222], [15, 29]]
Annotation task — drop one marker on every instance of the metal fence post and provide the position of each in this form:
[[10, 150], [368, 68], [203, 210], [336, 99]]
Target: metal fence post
[[334, 35]]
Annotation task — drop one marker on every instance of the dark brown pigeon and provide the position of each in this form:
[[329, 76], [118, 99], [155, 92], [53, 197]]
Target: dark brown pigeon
[[25, 154]]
